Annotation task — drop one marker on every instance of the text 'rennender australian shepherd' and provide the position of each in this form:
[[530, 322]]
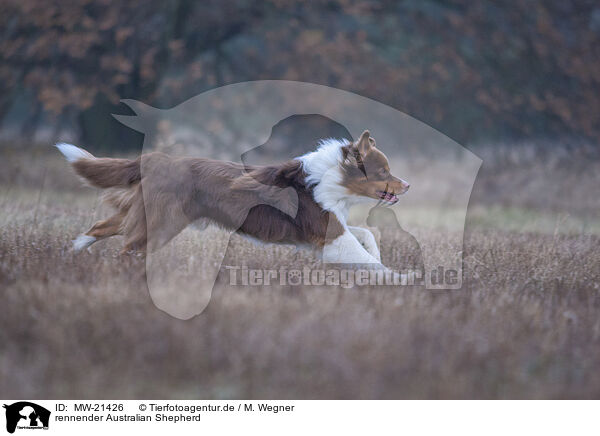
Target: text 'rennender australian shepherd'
[[302, 201]]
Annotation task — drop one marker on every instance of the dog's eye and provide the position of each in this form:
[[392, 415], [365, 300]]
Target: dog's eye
[[382, 172]]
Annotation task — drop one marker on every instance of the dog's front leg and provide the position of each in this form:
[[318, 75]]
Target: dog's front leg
[[347, 249], [367, 240]]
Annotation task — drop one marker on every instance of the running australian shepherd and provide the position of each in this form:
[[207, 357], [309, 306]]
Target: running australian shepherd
[[302, 201]]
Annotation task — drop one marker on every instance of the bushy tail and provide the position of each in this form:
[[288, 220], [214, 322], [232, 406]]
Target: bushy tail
[[101, 172]]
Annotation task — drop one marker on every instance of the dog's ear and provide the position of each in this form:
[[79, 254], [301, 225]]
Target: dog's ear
[[353, 159], [365, 142], [349, 155]]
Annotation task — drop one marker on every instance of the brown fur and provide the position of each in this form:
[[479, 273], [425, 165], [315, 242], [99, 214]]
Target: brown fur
[[157, 196], [108, 172]]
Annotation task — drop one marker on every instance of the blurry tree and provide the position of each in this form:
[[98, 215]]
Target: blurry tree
[[474, 70]]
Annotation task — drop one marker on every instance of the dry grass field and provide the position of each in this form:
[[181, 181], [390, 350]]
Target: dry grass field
[[526, 323]]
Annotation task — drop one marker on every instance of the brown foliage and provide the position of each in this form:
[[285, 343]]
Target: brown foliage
[[470, 69]]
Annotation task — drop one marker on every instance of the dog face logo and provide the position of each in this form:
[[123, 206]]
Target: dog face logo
[[26, 415]]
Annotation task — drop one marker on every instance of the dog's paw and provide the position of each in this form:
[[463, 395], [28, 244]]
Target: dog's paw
[[83, 241]]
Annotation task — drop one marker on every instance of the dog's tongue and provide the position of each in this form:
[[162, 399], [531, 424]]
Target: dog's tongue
[[387, 196]]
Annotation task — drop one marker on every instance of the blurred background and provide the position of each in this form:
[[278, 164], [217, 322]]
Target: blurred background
[[516, 82], [476, 71]]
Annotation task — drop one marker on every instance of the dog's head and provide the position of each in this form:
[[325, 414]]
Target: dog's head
[[366, 172]]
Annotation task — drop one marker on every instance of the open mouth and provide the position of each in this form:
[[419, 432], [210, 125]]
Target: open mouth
[[387, 197]]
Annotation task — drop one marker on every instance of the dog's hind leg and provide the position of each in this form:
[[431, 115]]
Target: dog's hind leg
[[136, 241], [100, 230], [134, 226], [153, 234]]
